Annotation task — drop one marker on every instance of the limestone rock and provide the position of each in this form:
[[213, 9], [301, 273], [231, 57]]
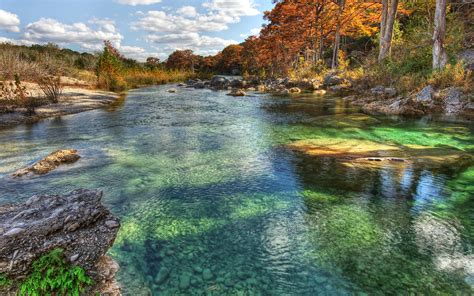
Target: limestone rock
[[332, 79], [425, 96], [381, 91], [237, 93], [453, 102], [49, 163], [46, 224], [219, 82], [294, 90]]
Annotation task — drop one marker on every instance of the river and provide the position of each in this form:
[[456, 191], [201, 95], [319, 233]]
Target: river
[[254, 196]]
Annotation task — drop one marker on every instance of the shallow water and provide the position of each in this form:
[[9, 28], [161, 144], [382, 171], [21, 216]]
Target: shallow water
[[214, 202]]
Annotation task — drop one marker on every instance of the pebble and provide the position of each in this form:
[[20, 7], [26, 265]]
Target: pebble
[[207, 274], [112, 224], [162, 275], [74, 257], [14, 231], [320, 279], [184, 281]]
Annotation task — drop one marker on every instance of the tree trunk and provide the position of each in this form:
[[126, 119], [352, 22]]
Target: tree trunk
[[337, 38], [383, 21], [389, 14], [439, 53], [321, 44], [335, 50]]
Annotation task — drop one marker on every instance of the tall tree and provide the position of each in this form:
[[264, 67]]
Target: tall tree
[[337, 38], [439, 52], [389, 14]]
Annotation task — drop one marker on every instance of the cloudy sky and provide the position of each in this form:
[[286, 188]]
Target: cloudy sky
[[139, 28]]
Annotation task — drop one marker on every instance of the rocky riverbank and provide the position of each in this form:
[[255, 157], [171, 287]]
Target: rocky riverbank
[[76, 223], [378, 100], [73, 100], [449, 101]]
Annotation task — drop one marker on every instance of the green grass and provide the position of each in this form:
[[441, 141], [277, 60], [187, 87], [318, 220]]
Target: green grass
[[52, 275]]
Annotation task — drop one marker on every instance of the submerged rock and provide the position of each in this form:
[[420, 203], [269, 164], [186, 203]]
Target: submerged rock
[[172, 90], [49, 163], [184, 281], [162, 275], [370, 154], [76, 222], [207, 274]]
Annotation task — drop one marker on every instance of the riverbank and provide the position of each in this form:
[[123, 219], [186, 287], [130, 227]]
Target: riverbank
[[73, 100], [379, 100]]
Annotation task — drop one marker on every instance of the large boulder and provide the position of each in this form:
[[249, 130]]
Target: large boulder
[[237, 83], [425, 96], [76, 222], [396, 106], [219, 82], [453, 102], [199, 85], [332, 79], [49, 163]]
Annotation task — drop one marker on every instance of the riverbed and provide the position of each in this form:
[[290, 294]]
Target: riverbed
[[264, 194]]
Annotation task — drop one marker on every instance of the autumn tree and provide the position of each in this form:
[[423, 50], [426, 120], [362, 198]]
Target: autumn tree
[[109, 68], [230, 59], [152, 63], [184, 60], [303, 29]]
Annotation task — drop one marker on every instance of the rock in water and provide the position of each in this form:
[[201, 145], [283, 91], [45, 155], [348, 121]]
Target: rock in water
[[294, 90], [184, 281], [49, 163], [172, 90], [237, 93], [76, 222], [207, 274]]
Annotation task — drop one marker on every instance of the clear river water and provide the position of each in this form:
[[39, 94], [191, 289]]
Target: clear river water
[[265, 195]]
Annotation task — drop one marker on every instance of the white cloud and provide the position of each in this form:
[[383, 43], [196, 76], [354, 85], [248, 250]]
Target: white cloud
[[162, 22], [253, 32], [50, 30], [184, 28], [9, 21], [187, 11], [190, 40], [137, 53], [234, 8], [137, 2]]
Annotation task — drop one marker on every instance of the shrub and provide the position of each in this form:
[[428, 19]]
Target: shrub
[[52, 275], [452, 75], [4, 281], [51, 86]]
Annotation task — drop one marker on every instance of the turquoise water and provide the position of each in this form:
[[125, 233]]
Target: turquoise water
[[221, 196]]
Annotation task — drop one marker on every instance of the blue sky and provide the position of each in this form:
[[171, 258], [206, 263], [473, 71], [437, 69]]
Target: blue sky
[[139, 28]]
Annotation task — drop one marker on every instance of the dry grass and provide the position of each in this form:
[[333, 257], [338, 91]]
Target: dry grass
[[137, 78]]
